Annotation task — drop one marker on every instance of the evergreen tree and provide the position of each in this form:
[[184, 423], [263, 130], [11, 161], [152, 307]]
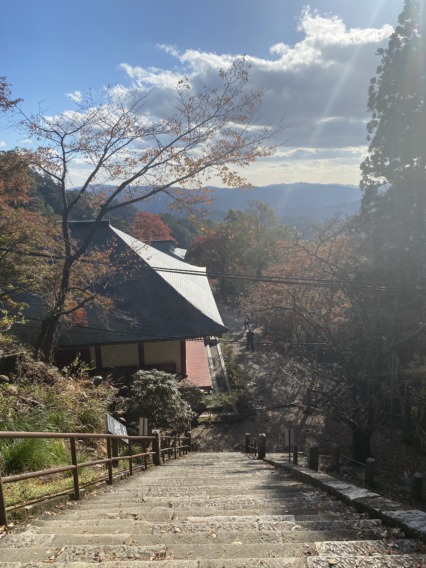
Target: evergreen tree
[[393, 212], [394, 172]]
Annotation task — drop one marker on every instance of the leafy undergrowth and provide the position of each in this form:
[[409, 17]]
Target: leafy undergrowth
[[35, 397]]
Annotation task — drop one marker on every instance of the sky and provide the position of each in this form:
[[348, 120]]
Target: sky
[[314, 62]]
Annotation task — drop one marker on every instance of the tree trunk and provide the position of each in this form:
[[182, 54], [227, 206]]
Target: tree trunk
[[46, 339]]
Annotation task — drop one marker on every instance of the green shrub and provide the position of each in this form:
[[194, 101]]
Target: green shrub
[[155, 395]]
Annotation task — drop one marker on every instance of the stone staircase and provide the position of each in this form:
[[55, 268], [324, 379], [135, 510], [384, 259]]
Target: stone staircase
[[209, 511]]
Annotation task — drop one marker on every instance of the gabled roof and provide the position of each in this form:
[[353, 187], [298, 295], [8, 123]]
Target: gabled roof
[[186, 279], [163, 298]]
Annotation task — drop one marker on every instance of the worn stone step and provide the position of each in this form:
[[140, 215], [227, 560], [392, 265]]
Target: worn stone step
[[169, 513], [393, 561], [209, 511], [102, 553], [184, 503], [210, 535], [370, 547], [203, 563], [362, 526], [164, 492]]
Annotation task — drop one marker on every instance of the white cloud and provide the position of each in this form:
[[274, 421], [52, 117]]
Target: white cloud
[[318, 85], [75, 96], [26, 141], [2, 144]]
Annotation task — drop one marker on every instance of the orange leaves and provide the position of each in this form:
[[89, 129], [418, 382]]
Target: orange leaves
[[79, 317], [148, 227], [15, 177]]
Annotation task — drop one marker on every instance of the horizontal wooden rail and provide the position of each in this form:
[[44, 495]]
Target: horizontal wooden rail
[[154, 450]]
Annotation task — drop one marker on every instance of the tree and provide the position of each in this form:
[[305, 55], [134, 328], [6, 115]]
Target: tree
[[183, 228], [148, 227], [397, 153], [23, 266], [245, 243], [330, 318], [393, 214], [393, 211], [211, 133], [6, 101], [155, 395]]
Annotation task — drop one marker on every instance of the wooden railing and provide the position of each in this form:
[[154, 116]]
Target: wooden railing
[[141, 452], [256, 447]]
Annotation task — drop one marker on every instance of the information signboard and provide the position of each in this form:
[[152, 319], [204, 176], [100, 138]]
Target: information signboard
[[113, 426]]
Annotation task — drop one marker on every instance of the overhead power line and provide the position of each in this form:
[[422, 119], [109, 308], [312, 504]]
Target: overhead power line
[[292, 281]]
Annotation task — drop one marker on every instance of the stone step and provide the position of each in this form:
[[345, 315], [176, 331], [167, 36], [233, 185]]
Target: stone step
[[60, 539], [169, 492], [393, 561], [396, 561], [184, 503], [362, 526], [209, 511], [237, 550], [370, 547], [164, 514], [207, 563], [103, 553]]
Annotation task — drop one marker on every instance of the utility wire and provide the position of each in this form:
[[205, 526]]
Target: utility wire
[[294, 281]]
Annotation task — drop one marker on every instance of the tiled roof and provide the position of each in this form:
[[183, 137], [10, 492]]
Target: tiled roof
[[164, 298], [197, 366], [186, 279]]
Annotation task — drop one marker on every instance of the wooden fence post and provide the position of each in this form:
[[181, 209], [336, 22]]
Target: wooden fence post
[[261, 450], [157, 447], [3, 513], [370, 466], [417, 486], [295, 453], [109, 451], [313, 457], [247, 451], [189, 442], [335, 457], [75, 471], [115, 445], [130, 457]]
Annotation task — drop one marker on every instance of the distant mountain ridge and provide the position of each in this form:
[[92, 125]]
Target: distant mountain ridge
[[289, 201], [296, 200], [292, 202]]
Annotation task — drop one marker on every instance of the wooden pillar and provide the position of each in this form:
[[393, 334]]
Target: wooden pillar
[[141, 355], [183, 369], [98, 358]]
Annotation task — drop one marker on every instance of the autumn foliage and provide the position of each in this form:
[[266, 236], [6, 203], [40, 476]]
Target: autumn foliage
[[148, 227]]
